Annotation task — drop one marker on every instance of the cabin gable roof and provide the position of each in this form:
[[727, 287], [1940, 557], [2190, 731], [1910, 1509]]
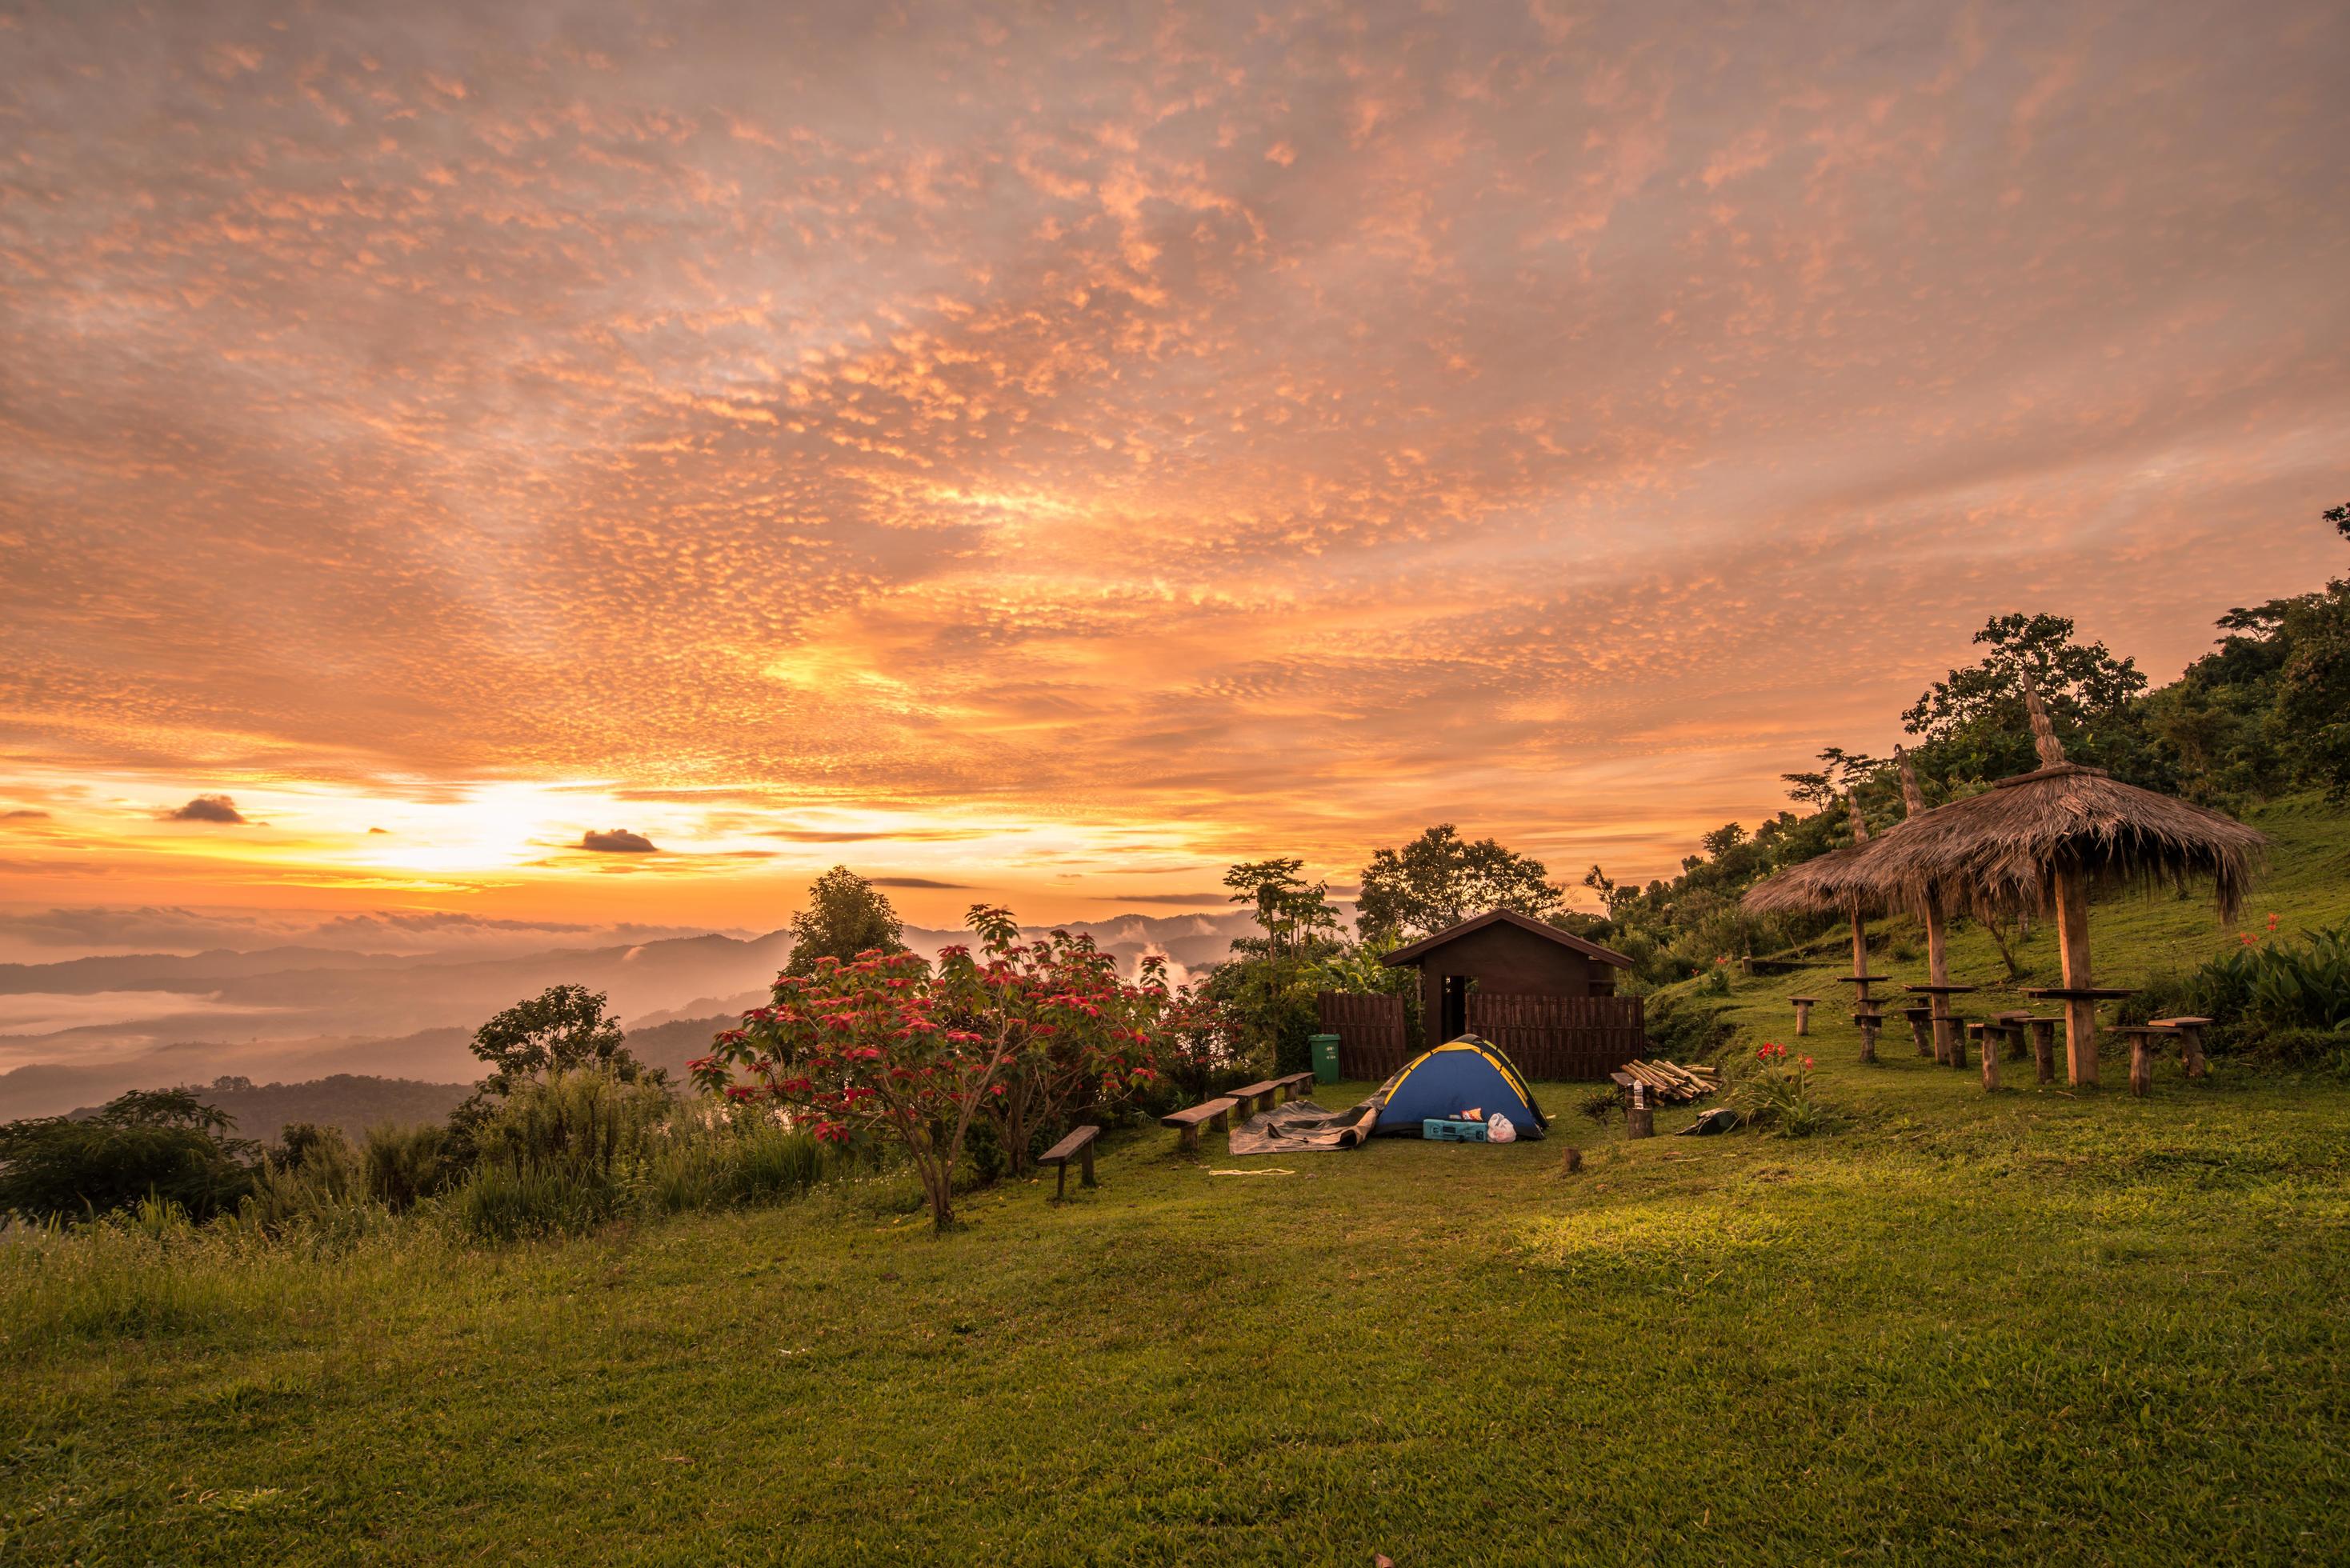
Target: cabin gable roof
[[1419, 950]]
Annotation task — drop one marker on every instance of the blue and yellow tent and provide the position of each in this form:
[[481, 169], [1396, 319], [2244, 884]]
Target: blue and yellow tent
[[1468, 1074]]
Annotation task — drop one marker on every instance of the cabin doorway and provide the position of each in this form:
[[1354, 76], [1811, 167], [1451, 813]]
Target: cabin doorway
[[1456, 1006]]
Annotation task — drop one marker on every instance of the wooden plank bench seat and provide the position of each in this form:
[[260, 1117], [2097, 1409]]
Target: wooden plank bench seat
[[1247, 1095], [1295, 1086], [1079, 1143], [1185, 1123]]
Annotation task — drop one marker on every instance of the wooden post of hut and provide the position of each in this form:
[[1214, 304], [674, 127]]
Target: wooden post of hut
[[1938, 940], [1860, 929], [2070, 883]]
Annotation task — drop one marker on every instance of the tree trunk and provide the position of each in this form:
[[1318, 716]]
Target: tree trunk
[[2080, 1012], [1998, 930]]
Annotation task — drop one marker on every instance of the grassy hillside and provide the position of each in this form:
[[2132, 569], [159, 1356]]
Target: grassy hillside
[[2030, 1328]]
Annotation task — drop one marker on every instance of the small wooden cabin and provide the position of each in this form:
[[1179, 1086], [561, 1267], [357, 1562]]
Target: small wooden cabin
[[1500, 954]]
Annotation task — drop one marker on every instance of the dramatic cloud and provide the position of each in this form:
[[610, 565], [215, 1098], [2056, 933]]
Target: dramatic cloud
[[912, 882], [208, 808], [24, 815], [1166, 434], [616, 841]]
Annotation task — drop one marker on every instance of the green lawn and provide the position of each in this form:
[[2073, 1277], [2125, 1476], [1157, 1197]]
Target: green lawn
[[2028, 1327]]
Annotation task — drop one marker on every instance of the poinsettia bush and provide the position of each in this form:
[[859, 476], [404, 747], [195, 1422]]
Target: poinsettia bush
[[889, 1049]]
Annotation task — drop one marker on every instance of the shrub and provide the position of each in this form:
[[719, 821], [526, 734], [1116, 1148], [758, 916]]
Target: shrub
[[159, 1142], [1775, 1093], [558, 1156], [716, 1157], [313, 1181], [406, 1165], [2294, 991]]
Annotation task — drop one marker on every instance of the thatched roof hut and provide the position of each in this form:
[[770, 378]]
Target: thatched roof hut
[[2003, 850], [2040, 841]]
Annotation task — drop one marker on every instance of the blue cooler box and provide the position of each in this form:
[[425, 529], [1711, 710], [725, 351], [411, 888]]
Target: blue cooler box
[[1443, 1129]]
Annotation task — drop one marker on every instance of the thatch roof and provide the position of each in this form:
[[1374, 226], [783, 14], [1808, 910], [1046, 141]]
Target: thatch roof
[[1831, 884], [1999, 851]]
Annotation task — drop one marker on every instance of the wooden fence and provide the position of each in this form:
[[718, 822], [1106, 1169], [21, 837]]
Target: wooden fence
[[1373, 1039], [1561, 1036]]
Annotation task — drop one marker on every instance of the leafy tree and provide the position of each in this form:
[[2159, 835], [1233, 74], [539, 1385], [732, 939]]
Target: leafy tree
[[2313, 685], [1264, 997], [1440, 880], [1972, 722], [563, 1029], [161, 1142], [2340, 517], [846, 916]]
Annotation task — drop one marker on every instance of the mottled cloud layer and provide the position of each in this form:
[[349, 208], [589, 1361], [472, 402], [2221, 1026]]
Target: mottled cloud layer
[[1143, 434]]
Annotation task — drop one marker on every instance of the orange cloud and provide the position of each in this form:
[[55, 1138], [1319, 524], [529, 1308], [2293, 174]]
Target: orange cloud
[[993, 443]]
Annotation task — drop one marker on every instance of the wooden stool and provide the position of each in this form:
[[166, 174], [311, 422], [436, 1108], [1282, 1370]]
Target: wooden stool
[[1803, 1013], [2043, 1048], [2142, 1038], [1922, 1028], [2190, 1041], [2009, 1026], [1870, 1022]]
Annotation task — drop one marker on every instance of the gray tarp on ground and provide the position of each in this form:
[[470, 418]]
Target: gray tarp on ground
[[1302, 1126]]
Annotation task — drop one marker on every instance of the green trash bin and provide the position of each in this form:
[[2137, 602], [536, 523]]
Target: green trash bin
[[1325, 1058]]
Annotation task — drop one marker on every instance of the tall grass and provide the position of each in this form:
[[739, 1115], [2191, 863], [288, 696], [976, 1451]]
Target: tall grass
[[579, 1150], [149, 1272], [560, 1158]]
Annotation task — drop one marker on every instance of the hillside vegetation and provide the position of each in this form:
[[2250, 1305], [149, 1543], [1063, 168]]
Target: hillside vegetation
[[2030, 1328]]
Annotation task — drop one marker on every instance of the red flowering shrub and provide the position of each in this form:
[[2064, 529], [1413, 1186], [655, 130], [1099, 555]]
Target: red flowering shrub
[[886, 1049], [1100, 1045]]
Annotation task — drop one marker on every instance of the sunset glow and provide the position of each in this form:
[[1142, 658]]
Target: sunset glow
[[1049, 462]]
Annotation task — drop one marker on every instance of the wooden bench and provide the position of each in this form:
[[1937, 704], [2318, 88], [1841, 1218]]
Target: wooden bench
[[2190, 1041], [1185, 1123], [1294, 1086], [1079, 1143], [1246, 1097]]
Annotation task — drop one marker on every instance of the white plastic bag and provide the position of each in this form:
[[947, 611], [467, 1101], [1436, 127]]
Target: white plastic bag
[[1499, 1130]]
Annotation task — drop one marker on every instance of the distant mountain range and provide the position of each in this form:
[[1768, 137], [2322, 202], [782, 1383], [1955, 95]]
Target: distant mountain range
[[76, 1033]]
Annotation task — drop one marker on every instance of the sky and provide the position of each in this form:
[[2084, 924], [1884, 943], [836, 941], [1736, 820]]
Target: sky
[[593, 463]]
